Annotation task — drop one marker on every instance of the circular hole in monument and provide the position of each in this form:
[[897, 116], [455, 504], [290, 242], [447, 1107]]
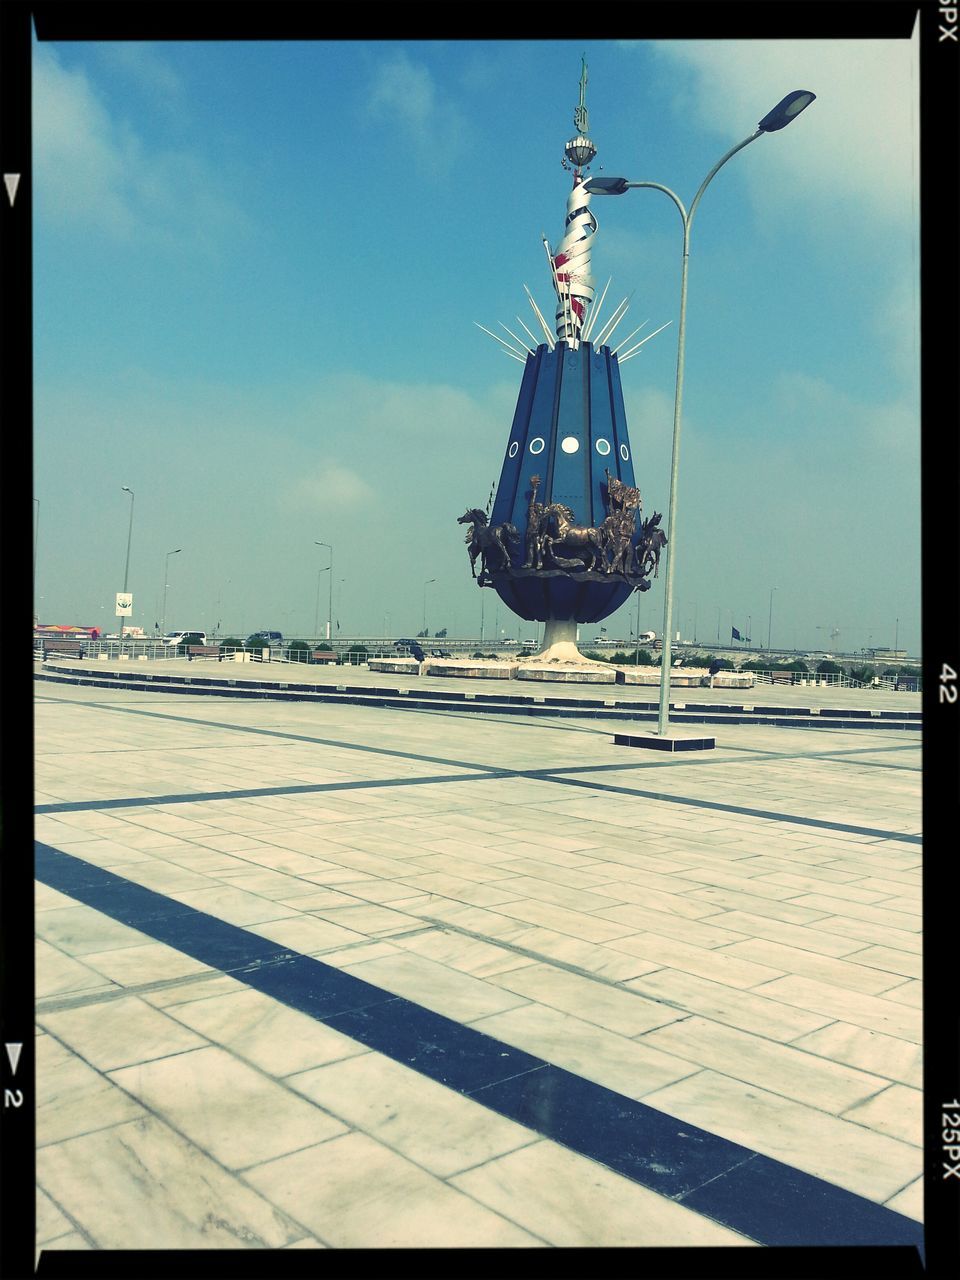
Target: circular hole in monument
[[537, 445], [569, 444], [624, 452], [512, 451], [603, 447]]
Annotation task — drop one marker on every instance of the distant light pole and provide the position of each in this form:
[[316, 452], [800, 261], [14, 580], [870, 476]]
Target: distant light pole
[[126, 568], [330, 597], [166, 570], [425, 585], [782, 114], [770, 618], [36, 540]]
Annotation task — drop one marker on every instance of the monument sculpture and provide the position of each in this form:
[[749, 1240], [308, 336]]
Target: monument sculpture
[[564, 542]]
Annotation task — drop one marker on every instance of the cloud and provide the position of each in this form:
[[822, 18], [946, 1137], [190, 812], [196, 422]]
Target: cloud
[[331, 487], [95, 173], [427, 124], [854, 151]]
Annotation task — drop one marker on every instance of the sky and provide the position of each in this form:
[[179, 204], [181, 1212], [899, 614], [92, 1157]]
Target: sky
[[258, 273]]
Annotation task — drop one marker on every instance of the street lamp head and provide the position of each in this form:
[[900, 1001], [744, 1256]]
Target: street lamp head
[[126, 489], [606, 186], [786, 110]]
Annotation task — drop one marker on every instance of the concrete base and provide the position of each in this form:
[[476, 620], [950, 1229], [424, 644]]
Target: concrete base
[[679, 678], [471, 668], [670, 743], [560, 643], [406, 666], [578, 673]]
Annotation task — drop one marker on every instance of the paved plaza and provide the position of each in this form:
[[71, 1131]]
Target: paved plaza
[[326, 975]]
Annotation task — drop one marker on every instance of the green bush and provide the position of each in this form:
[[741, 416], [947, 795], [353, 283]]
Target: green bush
[[827, 668], [643, 658], [231, 643], [356, 654], [863, 674]]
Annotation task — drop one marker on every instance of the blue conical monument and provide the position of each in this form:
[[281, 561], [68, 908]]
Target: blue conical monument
[[565, 541]]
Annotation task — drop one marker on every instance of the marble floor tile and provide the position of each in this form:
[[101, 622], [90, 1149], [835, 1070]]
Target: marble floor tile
[[904, 963], [50, 1221], [118, 1033], [909, 1201], [467, 955], [647, 919], [675, 900], [572, 1202], [703, 962], [78, 929], [308, 934], [886, 1056], [909, 993], [898, 1112], [153, 962], [354, 1193], [844, 972], [369, 919], [577, 924], [73, 1098], [267, 1034], [141, 1186], [872, 1012], [47, 899], [596, 1002], [433, 1126], [591, 958], [436, 986], [688, 993], [233, 905], [814, 937], [202, 1093], [869, 1164], [907, 921], [626, 1066], [755, 1060], [60, 975], [864, 932]]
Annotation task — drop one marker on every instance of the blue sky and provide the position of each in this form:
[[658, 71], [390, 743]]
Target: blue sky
[[257, 268]]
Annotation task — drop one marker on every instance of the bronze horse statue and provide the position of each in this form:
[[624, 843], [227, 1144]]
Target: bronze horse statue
[[651, 542], [495, 544], [585, 542]]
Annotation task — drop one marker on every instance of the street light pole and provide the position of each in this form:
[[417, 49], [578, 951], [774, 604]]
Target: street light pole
[[36, 541], [330, 599], [770, 618], [126, 568], [166, 570], [782, 114]]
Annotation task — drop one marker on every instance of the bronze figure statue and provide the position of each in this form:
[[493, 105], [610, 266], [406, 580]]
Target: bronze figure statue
[[651, 542], [617, 532], [533, 540], [495, 544]]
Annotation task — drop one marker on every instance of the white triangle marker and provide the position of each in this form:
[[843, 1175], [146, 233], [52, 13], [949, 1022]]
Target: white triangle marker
[[11, 181], [13, 1053]]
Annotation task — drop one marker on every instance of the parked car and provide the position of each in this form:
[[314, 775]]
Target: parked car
[[184, 638], [265, 640]]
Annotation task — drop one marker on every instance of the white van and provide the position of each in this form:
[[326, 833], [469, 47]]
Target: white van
[[185, 637]]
